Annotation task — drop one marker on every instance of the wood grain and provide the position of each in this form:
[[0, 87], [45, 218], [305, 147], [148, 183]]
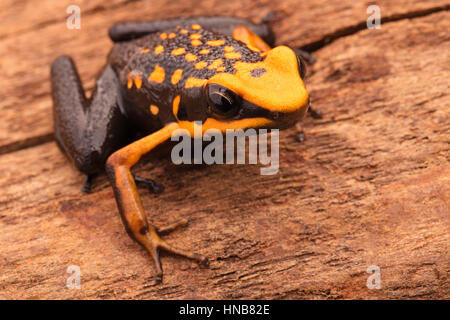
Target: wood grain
[[369, 186]]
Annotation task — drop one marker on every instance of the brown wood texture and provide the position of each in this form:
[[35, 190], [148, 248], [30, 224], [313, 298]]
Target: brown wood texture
[[369, 186]]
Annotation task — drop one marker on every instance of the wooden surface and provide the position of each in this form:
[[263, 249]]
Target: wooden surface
[[369, 186]]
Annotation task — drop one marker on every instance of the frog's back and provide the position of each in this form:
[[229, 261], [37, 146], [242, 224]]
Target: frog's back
[[198, 52]]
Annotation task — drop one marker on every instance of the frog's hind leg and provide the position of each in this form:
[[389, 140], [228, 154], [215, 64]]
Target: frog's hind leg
[[87, 130], [152, 185], [130, 206], [225, 25]]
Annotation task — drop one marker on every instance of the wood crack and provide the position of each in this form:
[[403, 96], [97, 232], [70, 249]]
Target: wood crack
[[351, 30]]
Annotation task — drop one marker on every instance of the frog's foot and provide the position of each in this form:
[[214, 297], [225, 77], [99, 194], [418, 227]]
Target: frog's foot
[[87, 186], [300, 136], [315, 113], [152, 185], [130, 206], [153, 243]]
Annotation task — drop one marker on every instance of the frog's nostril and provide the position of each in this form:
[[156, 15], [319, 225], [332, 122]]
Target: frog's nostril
[[276, 115]]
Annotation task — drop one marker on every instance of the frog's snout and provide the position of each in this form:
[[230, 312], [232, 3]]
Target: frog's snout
[[287, 119]]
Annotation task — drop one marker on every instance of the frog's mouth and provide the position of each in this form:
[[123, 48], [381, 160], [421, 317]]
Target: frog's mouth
[[281, 120]]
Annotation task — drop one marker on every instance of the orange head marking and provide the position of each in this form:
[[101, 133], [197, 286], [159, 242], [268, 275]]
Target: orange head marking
[[215, 43], [273, 86]]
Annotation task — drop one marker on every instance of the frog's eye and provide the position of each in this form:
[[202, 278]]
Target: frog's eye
[[301, 67], [222, 102]]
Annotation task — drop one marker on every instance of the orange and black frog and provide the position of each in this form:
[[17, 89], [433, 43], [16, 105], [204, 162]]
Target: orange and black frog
[[164, 75]]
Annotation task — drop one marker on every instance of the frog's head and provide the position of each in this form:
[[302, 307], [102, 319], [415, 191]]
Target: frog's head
[[270, 93]]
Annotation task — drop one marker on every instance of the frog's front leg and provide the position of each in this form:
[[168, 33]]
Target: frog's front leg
[[87, 130], [125, 31], [130, 206]]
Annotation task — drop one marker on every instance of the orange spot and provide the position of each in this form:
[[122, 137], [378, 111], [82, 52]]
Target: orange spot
[[130, 81], [171, 35], [175, 105], [138, 82], [196, 26], [215, 43], [154, 109], [220, 69], [176, 76], [233, 55], [134, 78], [196, 43], [228, 48], [145, 51], [157, 75], [177, 52], [215, 64], [204, 51], [252, 41], [195, 36], [201, 65], [190, 57], [184, 31], [194, 82], [159, 49], [163, 36]]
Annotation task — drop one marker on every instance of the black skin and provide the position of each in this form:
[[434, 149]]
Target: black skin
[[89, 130]]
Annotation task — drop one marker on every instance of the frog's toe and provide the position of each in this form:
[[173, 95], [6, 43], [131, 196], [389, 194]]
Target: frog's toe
[[172, 227], [184, 253], [315, 113], [153, 243], [87, 186], [152, 185]]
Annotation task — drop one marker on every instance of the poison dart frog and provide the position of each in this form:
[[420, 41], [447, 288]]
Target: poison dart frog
[[161, 76]]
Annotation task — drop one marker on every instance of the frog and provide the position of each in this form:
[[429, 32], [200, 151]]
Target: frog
[[164, 75]]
